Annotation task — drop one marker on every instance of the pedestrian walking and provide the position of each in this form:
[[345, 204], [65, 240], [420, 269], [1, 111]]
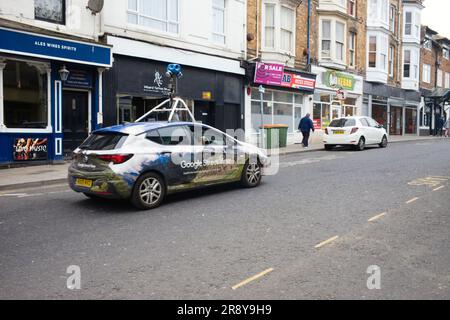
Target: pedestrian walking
[[305, 126], [447, 128]]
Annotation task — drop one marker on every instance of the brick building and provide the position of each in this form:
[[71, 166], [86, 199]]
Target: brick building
[[435, 79]]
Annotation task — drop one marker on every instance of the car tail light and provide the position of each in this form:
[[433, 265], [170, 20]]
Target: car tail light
[[354, 130], [115, 158], [326, 130]]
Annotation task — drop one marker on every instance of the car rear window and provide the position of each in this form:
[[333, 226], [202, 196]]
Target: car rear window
[[104, 141], [339, 123]]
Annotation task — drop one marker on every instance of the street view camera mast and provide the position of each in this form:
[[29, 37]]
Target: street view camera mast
[[175, 104]]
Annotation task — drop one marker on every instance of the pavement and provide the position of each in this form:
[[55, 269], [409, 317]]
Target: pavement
[[36, 176], [329, 225]]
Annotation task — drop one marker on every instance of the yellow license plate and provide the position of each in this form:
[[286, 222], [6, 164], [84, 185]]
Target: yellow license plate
[[338, 132], [83, 183]]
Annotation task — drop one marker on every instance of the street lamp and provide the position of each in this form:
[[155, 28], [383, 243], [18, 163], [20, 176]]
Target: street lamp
[[63, 73]]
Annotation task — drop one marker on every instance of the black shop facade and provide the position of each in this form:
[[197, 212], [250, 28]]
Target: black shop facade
[[136, 85]]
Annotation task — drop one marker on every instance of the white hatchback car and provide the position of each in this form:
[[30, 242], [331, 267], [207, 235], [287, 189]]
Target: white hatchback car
[[356, 131]]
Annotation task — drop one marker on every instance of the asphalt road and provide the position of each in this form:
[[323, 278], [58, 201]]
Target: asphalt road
[[234, 243]]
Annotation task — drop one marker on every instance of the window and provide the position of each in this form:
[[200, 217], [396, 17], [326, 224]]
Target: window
[[351, 7], [447, 80], [159, 15], [426, 73], [340, 34], [383, 56], [287, 29], [341, 123], [364, 122], [175, 135], [25, 95], [407, 64], [50, 10], [439, 78], [351, 48], [372, 52], [392, 15], [408, 23], [417, 25], [373, 8], [326, 38], [269, 29], [219, 21], [446, 53], [391, 61], [104, 141]]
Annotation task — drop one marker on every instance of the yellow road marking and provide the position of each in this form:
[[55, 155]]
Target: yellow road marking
[[326, 242], [412, 200], [253, 278], [441, 187], [433, 181], [378, 216]]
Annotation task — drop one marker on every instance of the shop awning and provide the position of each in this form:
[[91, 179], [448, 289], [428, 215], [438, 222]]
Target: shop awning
[[32, 44], [439, 93]]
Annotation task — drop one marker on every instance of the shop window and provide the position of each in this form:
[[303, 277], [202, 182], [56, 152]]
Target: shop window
[[50, 10], [25, 95], [410, 121], [278, 108], [219, 21], [159, 15]]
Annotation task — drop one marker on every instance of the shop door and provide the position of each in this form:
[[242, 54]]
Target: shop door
[[75, 119], [204, 112], [396, 123]]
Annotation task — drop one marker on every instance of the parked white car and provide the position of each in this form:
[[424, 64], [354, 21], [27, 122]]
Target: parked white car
[[356, 131]]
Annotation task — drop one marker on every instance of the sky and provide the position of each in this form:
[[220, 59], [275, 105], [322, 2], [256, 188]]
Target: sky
[[436, 16]]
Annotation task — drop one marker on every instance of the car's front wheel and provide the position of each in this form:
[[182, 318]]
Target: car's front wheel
[[251, 174], [384, 142], [149, 191]]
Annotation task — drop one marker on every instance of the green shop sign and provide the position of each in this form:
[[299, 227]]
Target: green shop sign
[[339, 80]]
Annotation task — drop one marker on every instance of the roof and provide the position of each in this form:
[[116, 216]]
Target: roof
[[135, 128]]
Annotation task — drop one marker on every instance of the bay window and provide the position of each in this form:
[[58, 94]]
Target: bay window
[[161, 15], [407, 64], [326, 38], [287, 28], [332, 41], [340, 32], [279, 28], [408, 23], [372, 52]]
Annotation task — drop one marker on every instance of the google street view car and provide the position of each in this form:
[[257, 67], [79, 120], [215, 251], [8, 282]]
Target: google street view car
[[144, 161]]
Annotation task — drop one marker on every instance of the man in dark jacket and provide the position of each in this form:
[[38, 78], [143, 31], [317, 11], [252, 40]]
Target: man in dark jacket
[[305, 126]]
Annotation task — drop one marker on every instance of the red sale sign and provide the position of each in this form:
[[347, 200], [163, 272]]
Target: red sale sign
[[292, 80]]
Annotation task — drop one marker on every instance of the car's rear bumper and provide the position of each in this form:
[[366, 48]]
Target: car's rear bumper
[[343, 140], [105, 183]]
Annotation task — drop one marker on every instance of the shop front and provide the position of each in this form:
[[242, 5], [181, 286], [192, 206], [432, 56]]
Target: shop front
[[338, 94], [212, 88], [435, 105], [396, 109], [285, 101], [49, 94]]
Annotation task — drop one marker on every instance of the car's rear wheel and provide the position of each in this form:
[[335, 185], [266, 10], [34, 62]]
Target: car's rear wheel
[[361, 144], [384, 142], [149, 191], [329, 147], [251, 174]]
